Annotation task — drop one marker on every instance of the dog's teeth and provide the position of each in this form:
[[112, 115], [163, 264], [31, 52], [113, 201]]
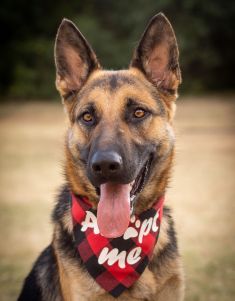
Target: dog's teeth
[[132, 183], [132, 198]]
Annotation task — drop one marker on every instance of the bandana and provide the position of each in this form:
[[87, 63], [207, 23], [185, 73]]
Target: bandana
[[115, 263]]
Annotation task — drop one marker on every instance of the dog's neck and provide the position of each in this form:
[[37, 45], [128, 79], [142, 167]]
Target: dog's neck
[[115, 263]]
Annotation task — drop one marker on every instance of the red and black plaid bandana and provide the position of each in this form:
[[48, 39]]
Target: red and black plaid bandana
[[115, 263]]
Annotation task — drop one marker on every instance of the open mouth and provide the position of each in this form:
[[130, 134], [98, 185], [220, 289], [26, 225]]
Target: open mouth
[[117, 201], [139, 183]]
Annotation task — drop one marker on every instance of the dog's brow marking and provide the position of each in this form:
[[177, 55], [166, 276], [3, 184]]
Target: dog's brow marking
[[117, 80], [111, 82]]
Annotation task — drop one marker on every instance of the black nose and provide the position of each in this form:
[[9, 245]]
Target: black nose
[[106, 164]]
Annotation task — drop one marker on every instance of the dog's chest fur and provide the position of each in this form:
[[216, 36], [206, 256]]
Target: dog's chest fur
[[78, 285]]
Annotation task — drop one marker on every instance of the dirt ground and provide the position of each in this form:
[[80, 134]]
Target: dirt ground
[[202, 191]]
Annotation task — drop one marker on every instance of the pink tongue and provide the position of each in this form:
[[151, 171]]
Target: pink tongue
[[113, 212]]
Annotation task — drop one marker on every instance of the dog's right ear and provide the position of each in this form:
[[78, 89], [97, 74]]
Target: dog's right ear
[[74, 59]]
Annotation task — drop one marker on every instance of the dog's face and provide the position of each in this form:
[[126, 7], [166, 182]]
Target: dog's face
[[120, 140]]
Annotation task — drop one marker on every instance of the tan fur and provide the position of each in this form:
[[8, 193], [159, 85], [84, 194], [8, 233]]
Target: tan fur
[[166, 284], [144, 144], [155, 87], [111, 104]]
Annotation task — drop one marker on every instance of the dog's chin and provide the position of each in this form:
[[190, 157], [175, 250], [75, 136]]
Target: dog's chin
[[116, 202]]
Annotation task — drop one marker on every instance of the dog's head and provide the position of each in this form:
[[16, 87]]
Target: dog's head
[[120, 140]]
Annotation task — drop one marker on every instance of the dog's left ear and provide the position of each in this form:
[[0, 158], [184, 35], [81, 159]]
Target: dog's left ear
[[157, 55], [74, 59]]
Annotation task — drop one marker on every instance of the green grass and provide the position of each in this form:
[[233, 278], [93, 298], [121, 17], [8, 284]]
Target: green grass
[[211, 281], [25, 231], [11, 275]]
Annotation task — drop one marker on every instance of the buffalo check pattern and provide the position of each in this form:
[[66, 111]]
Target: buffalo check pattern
[[143, 235]]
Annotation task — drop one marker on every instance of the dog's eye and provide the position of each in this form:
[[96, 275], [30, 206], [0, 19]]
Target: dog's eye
[[139, 113], [87, 117]]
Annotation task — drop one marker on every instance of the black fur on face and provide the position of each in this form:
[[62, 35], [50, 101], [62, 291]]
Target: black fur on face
[[106, 139], [121, 128], [113, 145]]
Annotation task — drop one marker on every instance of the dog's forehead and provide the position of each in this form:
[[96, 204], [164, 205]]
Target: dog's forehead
[[119, 85], [112, 80]]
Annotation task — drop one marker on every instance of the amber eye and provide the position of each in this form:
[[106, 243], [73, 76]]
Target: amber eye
[[87, 117], [139, 113]]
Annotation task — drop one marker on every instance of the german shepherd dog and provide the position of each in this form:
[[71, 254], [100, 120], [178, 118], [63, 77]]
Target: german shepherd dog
[[119, 152]]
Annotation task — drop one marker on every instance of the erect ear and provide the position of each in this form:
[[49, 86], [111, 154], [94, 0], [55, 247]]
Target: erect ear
[[157, 55], [74, 59]]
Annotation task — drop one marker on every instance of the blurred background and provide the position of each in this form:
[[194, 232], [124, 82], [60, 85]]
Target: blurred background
[[202, 190]]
